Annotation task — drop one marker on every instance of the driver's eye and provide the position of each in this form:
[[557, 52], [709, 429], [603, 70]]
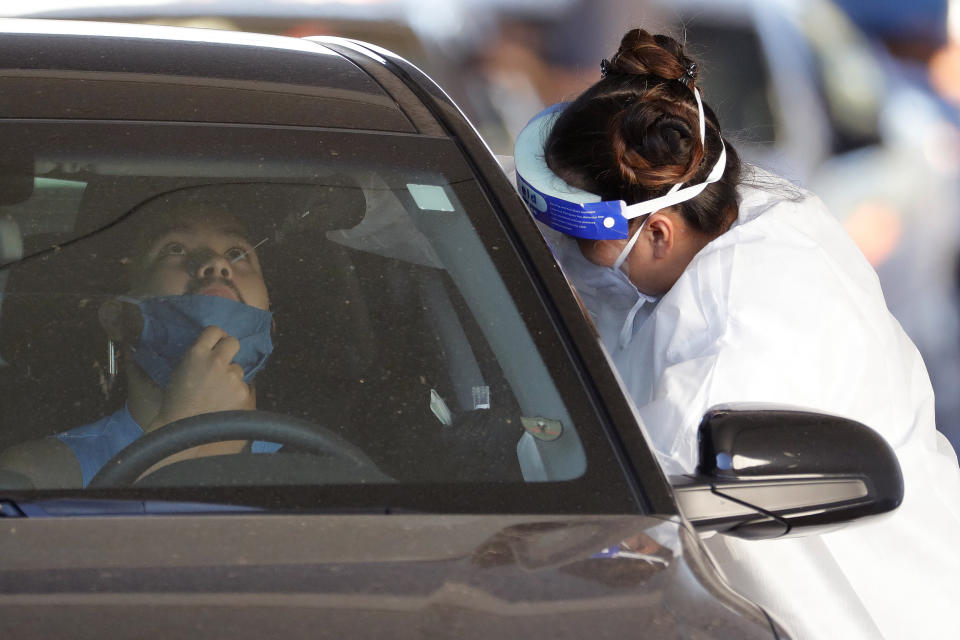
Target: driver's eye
[[236, 254], [172, 249]]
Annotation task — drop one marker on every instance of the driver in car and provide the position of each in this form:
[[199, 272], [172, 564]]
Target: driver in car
[[192, 332]]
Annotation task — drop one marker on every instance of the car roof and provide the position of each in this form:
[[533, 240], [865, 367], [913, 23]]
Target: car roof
[[106, 70], [389, 9]]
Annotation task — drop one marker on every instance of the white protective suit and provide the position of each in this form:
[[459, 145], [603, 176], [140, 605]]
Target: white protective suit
[[784, 308]]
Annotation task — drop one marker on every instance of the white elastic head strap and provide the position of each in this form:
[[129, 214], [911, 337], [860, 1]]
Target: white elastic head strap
[[629, 246], [676, 195]]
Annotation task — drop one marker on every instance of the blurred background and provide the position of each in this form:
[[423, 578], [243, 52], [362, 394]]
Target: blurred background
[[857, 100]]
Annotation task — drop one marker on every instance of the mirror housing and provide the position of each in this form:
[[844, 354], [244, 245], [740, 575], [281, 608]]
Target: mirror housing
[[767, 472]]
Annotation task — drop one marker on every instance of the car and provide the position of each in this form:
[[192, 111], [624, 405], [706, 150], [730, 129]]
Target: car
[[454, 455]]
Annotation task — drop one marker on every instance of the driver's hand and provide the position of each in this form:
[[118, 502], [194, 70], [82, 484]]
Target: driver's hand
[[206, 380]]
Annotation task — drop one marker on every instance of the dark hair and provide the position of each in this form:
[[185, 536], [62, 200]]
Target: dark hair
[[635, 133]]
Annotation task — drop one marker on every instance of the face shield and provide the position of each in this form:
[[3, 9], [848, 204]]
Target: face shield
[[580, 213]]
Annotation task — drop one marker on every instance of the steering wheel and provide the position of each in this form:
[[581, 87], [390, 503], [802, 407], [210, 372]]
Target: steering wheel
[[129, 464]]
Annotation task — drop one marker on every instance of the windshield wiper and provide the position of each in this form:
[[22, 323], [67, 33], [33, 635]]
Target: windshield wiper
[[80, 507], [86, 506]]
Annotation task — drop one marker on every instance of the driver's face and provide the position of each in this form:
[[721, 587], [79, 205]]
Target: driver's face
[[205, 257]]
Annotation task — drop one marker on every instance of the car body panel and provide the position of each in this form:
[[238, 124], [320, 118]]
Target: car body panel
[[245, 576]]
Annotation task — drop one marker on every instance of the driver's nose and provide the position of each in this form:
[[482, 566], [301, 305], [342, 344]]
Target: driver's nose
[[214, 265]]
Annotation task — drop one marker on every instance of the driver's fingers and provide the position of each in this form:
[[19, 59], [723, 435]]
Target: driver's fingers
[[209, 338], [235, 370], [226, 348], [219, 342]]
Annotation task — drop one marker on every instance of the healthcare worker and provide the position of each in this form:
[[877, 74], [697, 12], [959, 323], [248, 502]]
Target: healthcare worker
[[712, 283]]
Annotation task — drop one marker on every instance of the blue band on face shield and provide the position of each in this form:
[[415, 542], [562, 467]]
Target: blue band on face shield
[[554, 202], [596, 220], [580, 213]]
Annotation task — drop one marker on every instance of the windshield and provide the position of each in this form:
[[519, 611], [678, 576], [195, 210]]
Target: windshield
[[394, 352]]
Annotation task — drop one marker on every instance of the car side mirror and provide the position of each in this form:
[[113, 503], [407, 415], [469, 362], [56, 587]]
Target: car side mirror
[[767, 472]]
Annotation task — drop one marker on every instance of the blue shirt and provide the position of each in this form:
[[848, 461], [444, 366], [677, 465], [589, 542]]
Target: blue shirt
[[96, 443]]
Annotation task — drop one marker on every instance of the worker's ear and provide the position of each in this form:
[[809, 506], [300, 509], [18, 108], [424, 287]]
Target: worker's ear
[[662, 230], [121, 320]]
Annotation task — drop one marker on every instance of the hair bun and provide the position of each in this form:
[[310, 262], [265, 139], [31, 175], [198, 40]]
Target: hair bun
[[641, 53], [655, 143]]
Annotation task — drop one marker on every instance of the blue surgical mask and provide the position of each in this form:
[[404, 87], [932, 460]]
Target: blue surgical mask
[[172, 324]]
